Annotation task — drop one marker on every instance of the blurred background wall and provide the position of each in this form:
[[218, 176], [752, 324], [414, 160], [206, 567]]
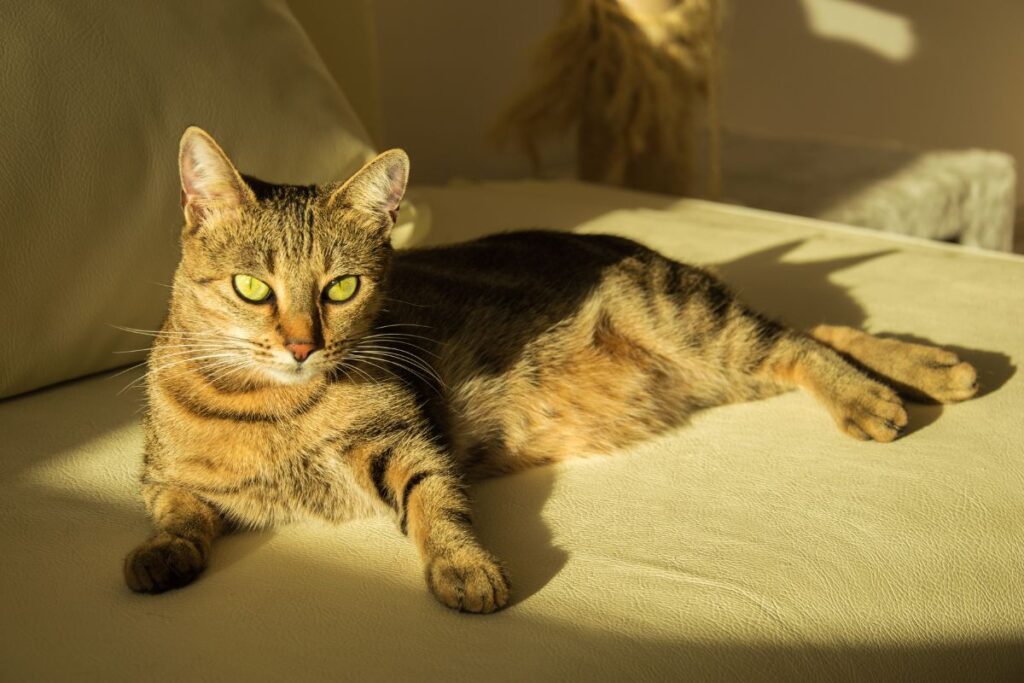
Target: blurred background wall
[[947, 74], [432, 76]]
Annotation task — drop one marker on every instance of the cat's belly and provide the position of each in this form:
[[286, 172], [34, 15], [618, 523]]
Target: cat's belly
[[511, 425], [588, 399]]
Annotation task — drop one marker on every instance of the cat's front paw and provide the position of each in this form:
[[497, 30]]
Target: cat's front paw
[[162, 563], [868, 410], [468, 581]]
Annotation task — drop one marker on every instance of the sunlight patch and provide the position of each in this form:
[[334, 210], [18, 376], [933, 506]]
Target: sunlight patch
[[887, 34], [104, 469]]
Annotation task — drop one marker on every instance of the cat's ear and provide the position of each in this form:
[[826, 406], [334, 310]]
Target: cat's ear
[[377, 186], [209, 180]]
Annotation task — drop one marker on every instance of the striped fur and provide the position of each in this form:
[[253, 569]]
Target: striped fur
[[451, 363]]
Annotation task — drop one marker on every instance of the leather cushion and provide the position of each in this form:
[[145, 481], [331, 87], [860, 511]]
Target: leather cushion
[[96, 95]]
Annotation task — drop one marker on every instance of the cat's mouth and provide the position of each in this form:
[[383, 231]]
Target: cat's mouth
[[281, 368]]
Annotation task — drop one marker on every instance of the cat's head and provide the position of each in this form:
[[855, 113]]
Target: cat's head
[[276, 282]]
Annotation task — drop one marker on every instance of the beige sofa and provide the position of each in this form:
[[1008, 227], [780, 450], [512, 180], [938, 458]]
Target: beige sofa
[[754, 543]]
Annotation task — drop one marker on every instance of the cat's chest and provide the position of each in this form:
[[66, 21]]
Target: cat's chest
[[268, 472], [254, 444]]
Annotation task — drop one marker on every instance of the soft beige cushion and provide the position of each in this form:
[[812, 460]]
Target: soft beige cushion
[[756, 543], [96, 94]]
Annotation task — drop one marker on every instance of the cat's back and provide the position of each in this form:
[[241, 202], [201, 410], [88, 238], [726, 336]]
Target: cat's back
[[523, 257], [530, 272]]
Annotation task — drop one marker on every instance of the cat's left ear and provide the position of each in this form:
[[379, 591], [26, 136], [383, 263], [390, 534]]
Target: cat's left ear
[[377, 186]]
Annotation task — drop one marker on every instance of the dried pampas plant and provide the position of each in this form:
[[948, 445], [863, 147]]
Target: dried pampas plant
[[629, 83]]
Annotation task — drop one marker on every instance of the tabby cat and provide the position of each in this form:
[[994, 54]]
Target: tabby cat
[[306, 370]]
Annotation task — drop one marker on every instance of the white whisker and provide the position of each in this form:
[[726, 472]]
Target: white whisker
[[231, 369], [198, 346], [403, 352], [407, 303], [128, 369], [403, 342], [178, 333], [176, 363], [361, 372], [381, 368], [400, 355], [384, 327], [399, 335], [428, 380]]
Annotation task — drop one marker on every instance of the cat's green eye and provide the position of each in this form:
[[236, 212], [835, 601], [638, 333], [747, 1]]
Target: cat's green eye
[[251, 289], [341, 288]]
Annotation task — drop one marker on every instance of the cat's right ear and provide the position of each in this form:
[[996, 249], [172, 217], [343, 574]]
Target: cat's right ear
[[209, 181]]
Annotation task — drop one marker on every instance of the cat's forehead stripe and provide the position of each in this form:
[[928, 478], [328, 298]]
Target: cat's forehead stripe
[[290, 229], [296, 208]]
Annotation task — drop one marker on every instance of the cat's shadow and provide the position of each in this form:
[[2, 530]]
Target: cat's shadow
[[801, 294], [508, 515], [237, 544]]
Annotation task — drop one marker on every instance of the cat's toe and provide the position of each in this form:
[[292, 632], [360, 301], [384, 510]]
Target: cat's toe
[[950, 383], [470, 584], [162, 563], [932, 355], [874, 414], [936, 375]]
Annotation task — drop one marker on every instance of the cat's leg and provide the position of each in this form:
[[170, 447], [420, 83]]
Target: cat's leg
[[418, 482], [758, 356], [917, 370], [176, 554], [861, 407]]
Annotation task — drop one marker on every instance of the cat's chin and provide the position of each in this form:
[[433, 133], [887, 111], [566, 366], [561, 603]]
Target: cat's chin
[[301, 374]]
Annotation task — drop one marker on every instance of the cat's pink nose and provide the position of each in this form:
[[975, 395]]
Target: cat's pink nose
[[300, 350]]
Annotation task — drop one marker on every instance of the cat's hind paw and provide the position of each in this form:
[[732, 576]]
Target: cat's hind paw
[[942, 377], [162, 563], [468, 581]]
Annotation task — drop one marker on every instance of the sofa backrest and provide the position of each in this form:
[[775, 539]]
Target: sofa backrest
[[96, 96]]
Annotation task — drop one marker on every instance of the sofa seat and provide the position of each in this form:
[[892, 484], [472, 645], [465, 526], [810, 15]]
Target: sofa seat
[[755, 542]]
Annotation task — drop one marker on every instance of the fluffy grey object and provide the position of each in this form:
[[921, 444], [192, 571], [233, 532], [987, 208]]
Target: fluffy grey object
[[964, 195]]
